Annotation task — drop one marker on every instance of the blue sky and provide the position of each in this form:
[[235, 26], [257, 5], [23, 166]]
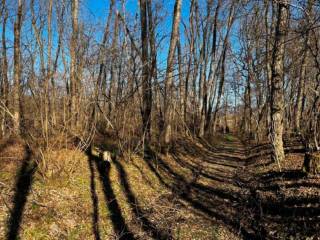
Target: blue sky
[[98, 10], [95, 12]]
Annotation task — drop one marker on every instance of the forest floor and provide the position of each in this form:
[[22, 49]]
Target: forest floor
[[218, 190]]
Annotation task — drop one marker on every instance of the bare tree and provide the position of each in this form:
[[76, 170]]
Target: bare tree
[[16, 91], [230, 21], [168, 112], [224, 66], [146, 78], [303, 69], [73, 64], [277, 80], [4, 73]]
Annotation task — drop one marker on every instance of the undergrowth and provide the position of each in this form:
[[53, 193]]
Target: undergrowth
[[65, 197]]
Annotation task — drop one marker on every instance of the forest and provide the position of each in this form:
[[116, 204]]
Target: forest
[[152, 119]]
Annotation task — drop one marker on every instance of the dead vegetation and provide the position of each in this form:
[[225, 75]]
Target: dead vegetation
[[196, 191], [125, 199], [159, 119]]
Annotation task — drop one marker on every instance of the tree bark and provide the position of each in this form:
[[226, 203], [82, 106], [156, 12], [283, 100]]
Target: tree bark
[[311, 164], [50, 100], [16, 91], [168, 112], [203, 84], [277, 81], [113, 72], [4, 72], [73, 66], [223, 61], [213, 67], [146, 80], [221, 86], [301, 84]]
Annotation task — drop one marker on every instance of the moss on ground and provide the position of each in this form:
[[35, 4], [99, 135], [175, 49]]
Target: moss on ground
[[229, 138]]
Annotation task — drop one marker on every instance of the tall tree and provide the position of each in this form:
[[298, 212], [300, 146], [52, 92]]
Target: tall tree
[[146, 77], [277, 80], [73, 66], [168, 112], [16, 91], [301, 84], [213, 66], [204, 58], [4, 73], [230, 21]]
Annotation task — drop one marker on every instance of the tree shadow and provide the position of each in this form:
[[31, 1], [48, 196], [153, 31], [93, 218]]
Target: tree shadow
[[219, 156], [119, 225], [265, 150], [198, 171], [239, 203], [284, 175], [139, 213], [24, 180], [220, 205], [95, 201]]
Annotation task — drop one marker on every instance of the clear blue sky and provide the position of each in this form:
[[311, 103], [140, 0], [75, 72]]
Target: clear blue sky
[[98, 10]]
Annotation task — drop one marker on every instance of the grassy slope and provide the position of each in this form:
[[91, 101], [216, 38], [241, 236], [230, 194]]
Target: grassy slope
[[61, 205]]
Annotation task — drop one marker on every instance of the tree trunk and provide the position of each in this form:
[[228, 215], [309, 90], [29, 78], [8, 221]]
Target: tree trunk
[[101, 84], [213, 67], [60, 16], [277, 81], [113, 73], [4, 73], [181, 84], [203, 89], [152, 41], [301, 84], [168, 112], [73, 66], [190, 58], [16, 91], [146, 80], [223, 62], [220, 90], [50, 100], [311, 164], [153, 64]]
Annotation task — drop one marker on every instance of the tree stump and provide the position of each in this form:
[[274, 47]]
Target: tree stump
[[311, 164]]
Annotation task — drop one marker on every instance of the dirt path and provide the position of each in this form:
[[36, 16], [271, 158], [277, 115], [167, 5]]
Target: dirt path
[[225, 186]]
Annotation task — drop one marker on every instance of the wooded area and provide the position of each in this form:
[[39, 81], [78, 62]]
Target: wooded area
[[151, 78]]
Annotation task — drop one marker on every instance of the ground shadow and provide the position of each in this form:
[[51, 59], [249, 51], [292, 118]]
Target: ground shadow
[[119, 225], [219, 205], [240, 204], [139, 213], [95, 201], [284, 175], [24, 180]]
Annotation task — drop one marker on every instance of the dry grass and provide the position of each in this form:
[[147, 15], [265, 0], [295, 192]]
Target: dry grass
[[60, 206], [154, 197]]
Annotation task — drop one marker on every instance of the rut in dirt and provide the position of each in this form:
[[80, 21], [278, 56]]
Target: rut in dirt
[[222, 189]]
